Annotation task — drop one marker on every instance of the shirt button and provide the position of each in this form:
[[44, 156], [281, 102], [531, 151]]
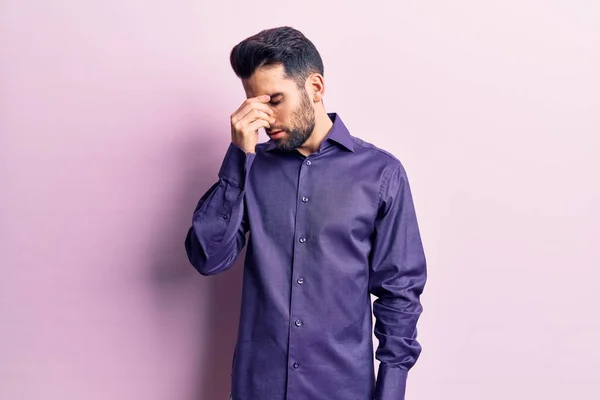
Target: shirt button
[[298, 322], [225, 216], [300, 281], [308, 162], [296, 365], [302, 240], [304, 199]]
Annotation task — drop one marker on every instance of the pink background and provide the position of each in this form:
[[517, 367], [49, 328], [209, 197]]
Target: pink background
[[114, 120]]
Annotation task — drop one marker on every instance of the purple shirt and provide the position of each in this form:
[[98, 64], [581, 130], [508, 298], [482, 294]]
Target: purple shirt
[[326, 231]]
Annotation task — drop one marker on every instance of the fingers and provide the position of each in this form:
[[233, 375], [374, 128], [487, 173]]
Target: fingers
[[256, 114], [251, 123], [253, 103], [258, 101], [259, 123], [245, 124], [249, 108], [252, 115]]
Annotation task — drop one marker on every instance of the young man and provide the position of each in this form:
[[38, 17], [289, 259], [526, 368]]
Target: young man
[[331, 221]]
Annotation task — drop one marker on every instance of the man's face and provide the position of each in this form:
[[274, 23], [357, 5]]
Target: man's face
[[292, 109]]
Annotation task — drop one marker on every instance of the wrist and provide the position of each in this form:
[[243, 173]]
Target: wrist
[[246, 148]]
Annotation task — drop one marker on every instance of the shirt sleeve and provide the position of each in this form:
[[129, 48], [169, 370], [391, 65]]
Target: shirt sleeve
[[219, 222], [397, 279]]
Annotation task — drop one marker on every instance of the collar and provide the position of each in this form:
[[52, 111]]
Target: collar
[[338, 133]]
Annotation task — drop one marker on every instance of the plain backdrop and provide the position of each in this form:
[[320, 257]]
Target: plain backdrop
[[114, 118]]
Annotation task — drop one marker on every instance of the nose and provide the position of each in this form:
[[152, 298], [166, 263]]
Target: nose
[[273, 122]]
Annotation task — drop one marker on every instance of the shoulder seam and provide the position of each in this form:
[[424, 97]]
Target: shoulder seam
[[360, 143]]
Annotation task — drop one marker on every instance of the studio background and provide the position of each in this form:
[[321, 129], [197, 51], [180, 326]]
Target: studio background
[[114, 119]]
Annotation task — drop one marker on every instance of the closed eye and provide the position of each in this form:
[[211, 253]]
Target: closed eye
[[276, 99]]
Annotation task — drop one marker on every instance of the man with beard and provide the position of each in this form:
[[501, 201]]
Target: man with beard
[[331, 222]]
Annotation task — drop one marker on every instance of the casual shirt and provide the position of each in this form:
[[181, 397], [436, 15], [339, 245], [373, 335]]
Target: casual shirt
[[326, 231]]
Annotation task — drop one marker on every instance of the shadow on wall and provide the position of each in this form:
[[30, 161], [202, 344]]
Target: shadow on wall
[[215, 300], [222, 320]]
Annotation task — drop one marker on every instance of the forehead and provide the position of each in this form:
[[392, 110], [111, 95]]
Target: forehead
[[268, 80]]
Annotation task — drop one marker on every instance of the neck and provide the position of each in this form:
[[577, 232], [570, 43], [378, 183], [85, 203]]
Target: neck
[[322, 127]]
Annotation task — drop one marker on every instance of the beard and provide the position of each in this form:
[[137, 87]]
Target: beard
[[303, 124]]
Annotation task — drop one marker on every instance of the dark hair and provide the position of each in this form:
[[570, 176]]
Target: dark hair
[[283, 45]]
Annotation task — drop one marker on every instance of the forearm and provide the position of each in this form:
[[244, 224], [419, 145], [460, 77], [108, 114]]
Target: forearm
[[398, 348], [398, 276], [219, 224]]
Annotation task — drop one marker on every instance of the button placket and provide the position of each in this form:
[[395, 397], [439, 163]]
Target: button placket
[[302, 234]]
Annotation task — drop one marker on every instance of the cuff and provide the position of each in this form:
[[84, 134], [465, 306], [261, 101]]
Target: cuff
[[391, 383], [235, 165]]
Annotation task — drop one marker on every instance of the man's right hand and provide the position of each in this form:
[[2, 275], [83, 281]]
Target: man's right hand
[[253, 114]]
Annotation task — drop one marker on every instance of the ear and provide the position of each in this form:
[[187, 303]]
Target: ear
[[315, 87]]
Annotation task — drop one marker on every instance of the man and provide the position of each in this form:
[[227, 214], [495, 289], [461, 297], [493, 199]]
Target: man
[[330, 220]]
